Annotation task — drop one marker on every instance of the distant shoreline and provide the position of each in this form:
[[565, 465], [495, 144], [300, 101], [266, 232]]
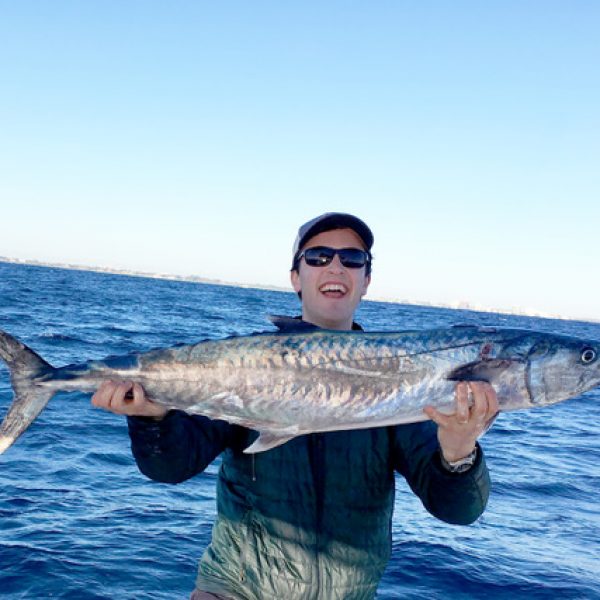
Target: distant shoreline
[[272, 288], [164, 276]]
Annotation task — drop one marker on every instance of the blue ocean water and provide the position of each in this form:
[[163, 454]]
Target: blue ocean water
[[77, 519]]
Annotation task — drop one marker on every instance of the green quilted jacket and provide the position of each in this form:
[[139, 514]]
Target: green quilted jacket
[[310, 519]]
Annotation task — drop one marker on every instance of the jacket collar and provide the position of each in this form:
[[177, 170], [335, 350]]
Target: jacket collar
[[287, 324]]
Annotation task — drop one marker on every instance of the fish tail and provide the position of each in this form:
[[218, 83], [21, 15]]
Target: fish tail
[[26, 371]]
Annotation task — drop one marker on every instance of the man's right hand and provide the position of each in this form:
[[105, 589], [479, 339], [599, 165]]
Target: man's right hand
[[112, 396]]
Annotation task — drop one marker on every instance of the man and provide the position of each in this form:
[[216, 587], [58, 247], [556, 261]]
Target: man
[[311, 519]]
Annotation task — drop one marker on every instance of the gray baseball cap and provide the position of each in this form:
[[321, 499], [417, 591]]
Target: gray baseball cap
[[329, 221]]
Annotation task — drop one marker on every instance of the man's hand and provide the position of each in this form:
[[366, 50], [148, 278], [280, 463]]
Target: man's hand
[[111, 396], [458, 432]]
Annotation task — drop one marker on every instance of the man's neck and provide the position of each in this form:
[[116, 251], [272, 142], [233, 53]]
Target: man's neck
[[345, 325]]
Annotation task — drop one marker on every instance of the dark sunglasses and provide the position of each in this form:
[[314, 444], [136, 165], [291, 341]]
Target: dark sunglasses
[[321, 256]]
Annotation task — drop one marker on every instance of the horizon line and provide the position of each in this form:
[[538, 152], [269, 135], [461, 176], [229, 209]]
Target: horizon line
[[462, 305]]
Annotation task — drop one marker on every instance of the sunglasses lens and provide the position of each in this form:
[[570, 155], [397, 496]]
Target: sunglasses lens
[[321, 256], [352, 258]]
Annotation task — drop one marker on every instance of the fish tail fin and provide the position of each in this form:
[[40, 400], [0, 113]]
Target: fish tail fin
[[26, 369]]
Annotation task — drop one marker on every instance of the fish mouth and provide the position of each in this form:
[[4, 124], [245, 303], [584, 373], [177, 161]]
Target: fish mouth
[[333, 290]]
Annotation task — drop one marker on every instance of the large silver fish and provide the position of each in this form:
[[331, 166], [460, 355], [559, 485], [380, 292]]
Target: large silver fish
[[289, 384]]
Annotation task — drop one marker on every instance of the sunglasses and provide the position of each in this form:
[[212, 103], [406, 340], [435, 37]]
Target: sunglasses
[[321, 256]]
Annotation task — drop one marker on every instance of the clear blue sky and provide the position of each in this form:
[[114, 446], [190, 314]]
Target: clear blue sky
[[194, 137]]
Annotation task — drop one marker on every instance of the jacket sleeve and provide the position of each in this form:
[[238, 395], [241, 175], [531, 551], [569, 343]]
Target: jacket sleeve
[[177, 447], [458, 498]]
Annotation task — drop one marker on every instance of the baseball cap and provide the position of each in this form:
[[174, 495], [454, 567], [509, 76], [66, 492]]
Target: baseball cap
[[329, 221]]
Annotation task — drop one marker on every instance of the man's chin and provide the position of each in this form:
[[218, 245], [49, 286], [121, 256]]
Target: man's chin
[[335, 317]]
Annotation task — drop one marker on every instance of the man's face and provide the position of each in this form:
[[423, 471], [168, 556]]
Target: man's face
[[330, 294]]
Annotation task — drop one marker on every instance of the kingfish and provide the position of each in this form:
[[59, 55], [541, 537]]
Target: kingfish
[[286, 384]]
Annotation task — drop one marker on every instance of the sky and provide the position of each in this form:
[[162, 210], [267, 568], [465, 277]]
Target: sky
[[195, 137]]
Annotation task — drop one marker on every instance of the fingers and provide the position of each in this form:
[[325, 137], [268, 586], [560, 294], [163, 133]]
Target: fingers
[[437, 417], [119, 400], [485, 403], [475, 407], [103, 396], [139, 397], [112, 396], [127, 398], [476, 404], [464, 397]]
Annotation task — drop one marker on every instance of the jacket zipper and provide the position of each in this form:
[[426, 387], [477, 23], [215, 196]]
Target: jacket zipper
[[247, 521], [319, 479], [244, 544]]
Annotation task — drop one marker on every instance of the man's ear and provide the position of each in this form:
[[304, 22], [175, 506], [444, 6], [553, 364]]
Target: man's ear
[[295, 279], [366, 284]]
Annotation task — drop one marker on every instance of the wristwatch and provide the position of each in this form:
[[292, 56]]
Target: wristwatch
[[461, 465]]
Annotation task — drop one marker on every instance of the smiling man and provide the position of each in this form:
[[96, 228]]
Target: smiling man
[[336, 271], [311, 519]]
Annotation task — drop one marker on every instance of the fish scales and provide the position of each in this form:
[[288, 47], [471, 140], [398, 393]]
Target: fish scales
[[285, 385]]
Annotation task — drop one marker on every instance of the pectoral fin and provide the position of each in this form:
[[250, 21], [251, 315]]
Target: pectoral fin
[[480, 370]]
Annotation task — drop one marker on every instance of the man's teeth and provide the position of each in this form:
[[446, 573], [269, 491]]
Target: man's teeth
[[332, 287]]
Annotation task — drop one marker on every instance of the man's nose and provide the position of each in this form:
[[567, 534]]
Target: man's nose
[[336, 264]]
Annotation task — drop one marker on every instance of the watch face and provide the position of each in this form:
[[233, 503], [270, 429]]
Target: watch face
[[462, 465]]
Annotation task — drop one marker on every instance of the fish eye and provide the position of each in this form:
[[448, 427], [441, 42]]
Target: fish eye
[[588, 355]]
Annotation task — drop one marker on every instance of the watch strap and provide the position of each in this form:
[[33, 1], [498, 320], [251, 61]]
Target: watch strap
[[461, 465]]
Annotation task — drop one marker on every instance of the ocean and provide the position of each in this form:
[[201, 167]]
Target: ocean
[[78, 520]]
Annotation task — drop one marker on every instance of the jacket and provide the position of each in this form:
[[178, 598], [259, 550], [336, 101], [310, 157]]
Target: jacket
[[310, 519]]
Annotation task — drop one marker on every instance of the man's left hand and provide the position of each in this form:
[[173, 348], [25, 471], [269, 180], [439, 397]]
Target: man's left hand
[[458, 432]]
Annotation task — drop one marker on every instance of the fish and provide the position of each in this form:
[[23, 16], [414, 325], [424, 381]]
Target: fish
[[286, 384]]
